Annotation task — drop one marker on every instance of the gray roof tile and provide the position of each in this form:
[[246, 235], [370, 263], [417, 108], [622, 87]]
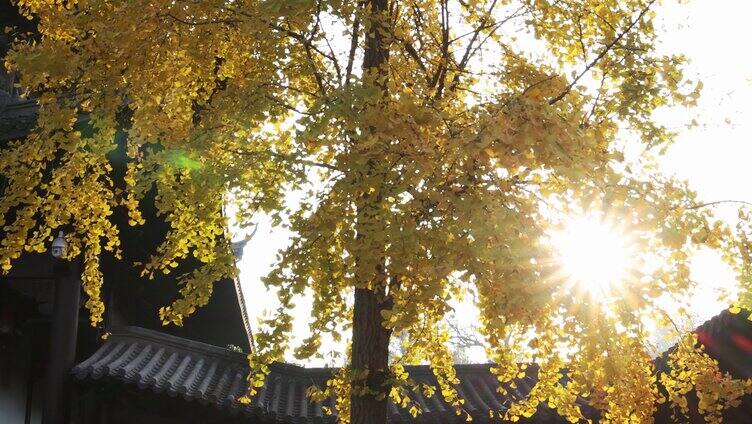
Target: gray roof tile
[[210, 375]]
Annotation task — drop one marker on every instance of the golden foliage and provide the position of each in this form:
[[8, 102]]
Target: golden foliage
[[450, 162]]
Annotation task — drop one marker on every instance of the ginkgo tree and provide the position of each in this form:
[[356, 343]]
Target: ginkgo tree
[[448, 139]]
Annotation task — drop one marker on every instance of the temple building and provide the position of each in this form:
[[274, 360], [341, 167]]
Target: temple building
[[44, 329]]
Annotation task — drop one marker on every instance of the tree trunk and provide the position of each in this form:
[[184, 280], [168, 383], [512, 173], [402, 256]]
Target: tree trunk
[[370, 350], [370, 342]]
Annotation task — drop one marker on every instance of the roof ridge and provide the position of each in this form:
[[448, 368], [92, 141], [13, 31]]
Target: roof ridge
[[175, 342], [164, 363], [21, 104], [201, 347]]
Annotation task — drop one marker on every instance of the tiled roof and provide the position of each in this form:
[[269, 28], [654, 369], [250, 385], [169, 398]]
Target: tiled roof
[[215, 376], [17, 119], [196, 372], [135, 298], [728, 338]]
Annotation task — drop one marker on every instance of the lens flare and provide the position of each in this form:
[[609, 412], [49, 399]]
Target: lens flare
[[593, 254]]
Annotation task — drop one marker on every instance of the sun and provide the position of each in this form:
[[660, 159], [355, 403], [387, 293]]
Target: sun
[[593, 254]]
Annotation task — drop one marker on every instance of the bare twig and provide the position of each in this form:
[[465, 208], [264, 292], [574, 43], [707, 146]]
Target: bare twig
[[337, 68], [353, 42], [203, 22], [472, 50], [602, 54], [437, 80], [306, 42], [483, 22], [582, 39], [537, 83], [289, 158], [586, 120], [287, 105], [719, 202], [464, 337]]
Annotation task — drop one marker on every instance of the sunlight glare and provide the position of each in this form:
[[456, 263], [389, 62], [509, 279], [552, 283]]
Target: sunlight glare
[[593, 254]]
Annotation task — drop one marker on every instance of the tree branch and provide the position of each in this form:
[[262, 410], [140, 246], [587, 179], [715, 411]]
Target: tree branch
[[471, 50], [414, 54], [440, 76], [719, 202], [289, 158], [466, 55], [602, 54], [353, 42], [198, 23]]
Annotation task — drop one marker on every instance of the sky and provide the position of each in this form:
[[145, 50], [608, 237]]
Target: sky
[[714, 156]]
